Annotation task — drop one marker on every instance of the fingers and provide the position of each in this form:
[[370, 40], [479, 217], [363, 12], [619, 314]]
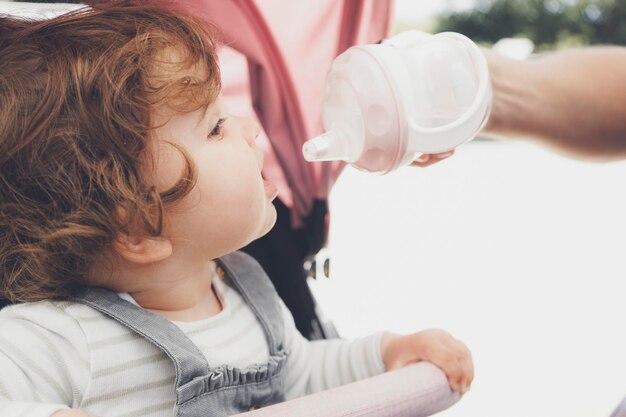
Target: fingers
[[467, 383], [452, 356], [459, 367], [429, 159], [435, 346]]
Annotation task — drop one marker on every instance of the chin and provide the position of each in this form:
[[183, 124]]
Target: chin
[[263, 228], [271, 221]]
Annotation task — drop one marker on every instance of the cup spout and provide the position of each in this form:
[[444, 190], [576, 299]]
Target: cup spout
[[330, 146]]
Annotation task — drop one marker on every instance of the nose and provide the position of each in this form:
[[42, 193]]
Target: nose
[[251, 130]]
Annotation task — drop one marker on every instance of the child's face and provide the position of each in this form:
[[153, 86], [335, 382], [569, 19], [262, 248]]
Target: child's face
[[231, 204]]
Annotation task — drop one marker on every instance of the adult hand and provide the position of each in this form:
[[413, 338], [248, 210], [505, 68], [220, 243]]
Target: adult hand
[[426, 159]]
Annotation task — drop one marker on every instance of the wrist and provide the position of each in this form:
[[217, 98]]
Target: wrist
[[513, 94], [398, 350], [387, 349]]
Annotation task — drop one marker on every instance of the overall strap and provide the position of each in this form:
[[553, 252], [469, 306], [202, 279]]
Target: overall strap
[[189, 362], [257, 290]]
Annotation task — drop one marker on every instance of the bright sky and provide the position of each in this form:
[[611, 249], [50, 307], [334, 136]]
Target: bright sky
[[416, 10]]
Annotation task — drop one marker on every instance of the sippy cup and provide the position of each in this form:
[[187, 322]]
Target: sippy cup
[[414, 93]]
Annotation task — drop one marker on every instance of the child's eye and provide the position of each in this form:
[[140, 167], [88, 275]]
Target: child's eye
[[217, 131]]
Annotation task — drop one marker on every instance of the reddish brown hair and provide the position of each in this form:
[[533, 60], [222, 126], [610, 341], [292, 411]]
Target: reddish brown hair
[[76, 94]]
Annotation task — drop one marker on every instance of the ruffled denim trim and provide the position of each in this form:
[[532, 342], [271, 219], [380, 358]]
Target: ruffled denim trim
[[227, 376]]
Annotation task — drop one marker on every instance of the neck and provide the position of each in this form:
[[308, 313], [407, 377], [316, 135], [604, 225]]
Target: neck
[[190, 299], [180, 291]]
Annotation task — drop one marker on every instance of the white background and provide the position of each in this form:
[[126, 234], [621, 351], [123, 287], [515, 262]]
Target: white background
[[518, 252]]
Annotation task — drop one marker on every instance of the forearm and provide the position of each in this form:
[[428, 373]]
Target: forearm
[[573, 101], [319, 365], [339, 362]]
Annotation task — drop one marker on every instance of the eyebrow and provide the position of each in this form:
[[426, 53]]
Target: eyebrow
[[204, 114], [221, 109]]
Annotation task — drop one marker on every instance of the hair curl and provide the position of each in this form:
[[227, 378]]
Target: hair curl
[[76, 94]]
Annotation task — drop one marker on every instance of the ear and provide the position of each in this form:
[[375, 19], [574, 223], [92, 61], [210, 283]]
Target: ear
[[142, 250]]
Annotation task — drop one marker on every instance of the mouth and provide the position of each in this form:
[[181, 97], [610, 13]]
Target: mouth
[[270, 189]]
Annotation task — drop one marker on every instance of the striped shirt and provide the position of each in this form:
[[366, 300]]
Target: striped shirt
[[56, 355]]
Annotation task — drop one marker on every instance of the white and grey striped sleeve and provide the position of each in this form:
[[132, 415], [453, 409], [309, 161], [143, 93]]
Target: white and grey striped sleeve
[[322, 364], [43, 366]]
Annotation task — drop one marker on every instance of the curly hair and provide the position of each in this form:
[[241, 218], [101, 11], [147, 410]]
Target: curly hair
[[76, 94]]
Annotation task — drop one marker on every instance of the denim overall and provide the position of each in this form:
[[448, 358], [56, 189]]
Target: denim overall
[[202, 391]]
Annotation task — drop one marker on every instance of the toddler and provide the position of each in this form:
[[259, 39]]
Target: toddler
[[126, 190]]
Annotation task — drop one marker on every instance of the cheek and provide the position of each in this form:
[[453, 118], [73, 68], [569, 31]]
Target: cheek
[[229, 197], [227, 208], [169, 167]]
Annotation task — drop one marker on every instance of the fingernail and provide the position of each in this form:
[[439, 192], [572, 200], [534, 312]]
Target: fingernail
[[423, 158], [444, 155]]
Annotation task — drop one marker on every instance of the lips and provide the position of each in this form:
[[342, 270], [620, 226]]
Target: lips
[[270, 189]]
